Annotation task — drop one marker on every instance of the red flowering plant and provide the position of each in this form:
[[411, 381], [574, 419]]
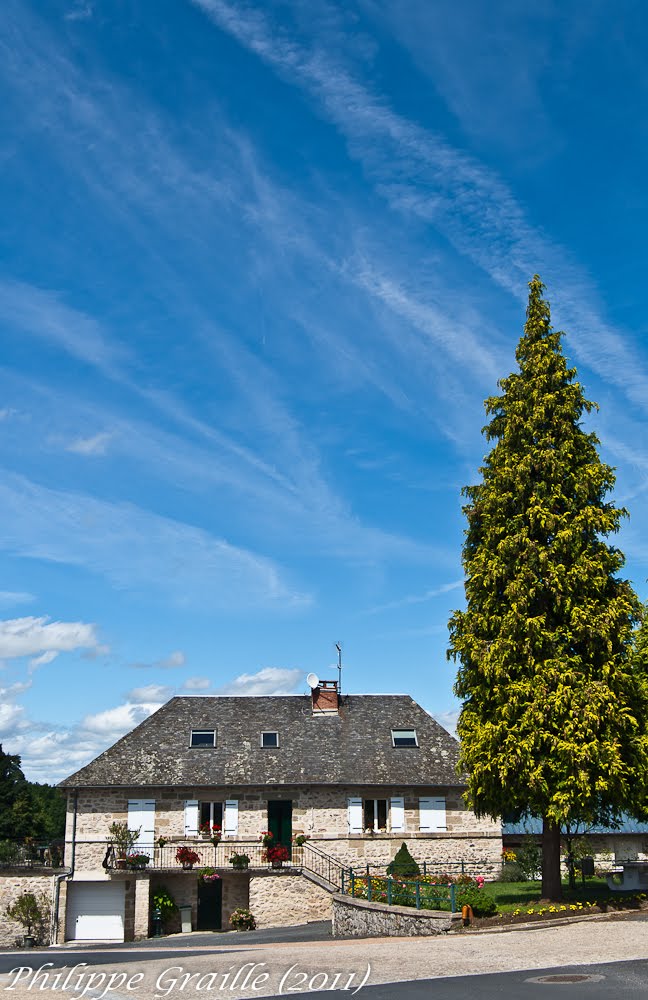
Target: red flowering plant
[[276, 853], [266, 838], [186, 856]]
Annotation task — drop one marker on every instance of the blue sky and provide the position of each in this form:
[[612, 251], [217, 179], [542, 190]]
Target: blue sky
[[261, 266]]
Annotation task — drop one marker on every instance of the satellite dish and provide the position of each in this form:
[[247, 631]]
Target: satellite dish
[[312, 680]]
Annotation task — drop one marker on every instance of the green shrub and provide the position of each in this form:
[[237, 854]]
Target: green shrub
[[529, 860], [511, 872], [482, 904], [403, 864], [163, 901]]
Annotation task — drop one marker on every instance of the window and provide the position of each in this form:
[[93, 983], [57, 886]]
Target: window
[[269, 739], [404, 738], [211, 813], [375, 814], [203, 738]]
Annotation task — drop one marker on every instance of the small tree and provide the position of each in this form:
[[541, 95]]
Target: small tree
[[555, 711], [31, 911], [403, 864]]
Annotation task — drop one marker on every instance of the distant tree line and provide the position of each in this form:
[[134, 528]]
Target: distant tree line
[[27, 808]]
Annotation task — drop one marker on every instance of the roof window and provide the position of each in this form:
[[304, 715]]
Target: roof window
[[203, 738], [269, 739], [404, 738]]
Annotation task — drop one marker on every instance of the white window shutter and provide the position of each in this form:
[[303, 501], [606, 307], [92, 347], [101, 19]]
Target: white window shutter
[[191, 818], [135, 817], [147, 826], [432, 814], [355, 815], [397, 814], [230, 820]]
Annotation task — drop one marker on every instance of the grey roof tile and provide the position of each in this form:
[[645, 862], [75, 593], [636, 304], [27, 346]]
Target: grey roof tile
[[353, 747]]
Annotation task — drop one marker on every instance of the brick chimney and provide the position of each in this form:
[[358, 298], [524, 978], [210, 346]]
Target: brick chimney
[[325, 698]]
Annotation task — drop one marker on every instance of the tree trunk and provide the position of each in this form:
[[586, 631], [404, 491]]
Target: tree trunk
[[551, 883]]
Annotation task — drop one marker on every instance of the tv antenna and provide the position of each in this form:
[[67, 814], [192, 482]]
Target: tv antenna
[[339, 666]]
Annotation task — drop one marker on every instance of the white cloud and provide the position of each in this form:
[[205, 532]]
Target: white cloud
[[416, 598], [170, 662], [269, 680], [36, 636], [150, 693], [197, 684], [92, 445], [115, 722], [9, 597], [40, 661]]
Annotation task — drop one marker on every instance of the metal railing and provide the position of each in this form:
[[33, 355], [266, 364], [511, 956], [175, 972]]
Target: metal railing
[[400, 892], [324, 865], [206, 855], [28, 854], [435, 868]]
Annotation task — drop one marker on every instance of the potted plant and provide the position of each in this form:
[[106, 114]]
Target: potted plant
[[164, 904], [242, 919], [187, 857], [123, 840], [30, 912], [216, 834], [300, 839], [276, 855], [162, 841], [239, 862], [138, 860], [205, 830], [208, 875], [266, 838]]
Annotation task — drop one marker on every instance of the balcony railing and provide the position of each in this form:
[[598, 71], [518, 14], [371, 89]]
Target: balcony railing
[[29, 854], [167, 858]]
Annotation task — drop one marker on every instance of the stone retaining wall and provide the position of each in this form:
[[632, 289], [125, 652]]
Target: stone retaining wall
[[360, 918], [281, 899], [12, 885]]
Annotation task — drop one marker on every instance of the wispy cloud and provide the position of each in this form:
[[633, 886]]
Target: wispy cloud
[[135, 548], [420, 174], [170, 662], [10, 597], [95, 445], [411, 599]]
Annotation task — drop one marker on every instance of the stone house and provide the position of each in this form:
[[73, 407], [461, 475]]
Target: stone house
[[356, 774]]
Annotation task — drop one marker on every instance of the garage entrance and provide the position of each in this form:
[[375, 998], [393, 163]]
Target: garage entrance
[[95, 911]]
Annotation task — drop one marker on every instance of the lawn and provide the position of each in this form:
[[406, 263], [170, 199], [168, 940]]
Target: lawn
[[510, 896]]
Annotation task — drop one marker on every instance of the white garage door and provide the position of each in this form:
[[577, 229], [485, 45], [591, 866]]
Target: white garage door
[[95, 911]]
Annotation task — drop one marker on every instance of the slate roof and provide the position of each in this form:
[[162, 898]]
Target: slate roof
[[353, 747], [533, 825]]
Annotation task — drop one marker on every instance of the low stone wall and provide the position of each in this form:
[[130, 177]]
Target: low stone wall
[[360, 918], [12, 885], [283, 898]]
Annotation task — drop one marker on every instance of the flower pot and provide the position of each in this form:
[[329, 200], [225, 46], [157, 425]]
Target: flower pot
[[29, 941], [187, 865], [276, 864], [121, 864], [241, 867]]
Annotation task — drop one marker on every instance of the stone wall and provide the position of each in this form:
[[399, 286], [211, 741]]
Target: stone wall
[[282, 898], [236, 893], [319, 811], [359, 918], [12, 885]]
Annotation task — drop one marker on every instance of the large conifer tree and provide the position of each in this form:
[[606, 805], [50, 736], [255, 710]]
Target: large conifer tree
[[555, 710]]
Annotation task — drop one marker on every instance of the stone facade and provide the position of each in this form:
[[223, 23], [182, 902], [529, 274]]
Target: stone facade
[[283, 898], [12, 885], [360, 918]]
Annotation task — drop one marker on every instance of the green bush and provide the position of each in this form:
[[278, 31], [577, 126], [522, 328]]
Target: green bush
[[482, 904], [403, 864], [512, 872], [529, 860], [163, 901]]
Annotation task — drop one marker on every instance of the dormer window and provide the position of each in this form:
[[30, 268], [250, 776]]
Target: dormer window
[[269, 740], [404, 738], [203, 738]]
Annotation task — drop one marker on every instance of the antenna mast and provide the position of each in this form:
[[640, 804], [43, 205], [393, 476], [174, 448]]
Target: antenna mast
[[339, 652]]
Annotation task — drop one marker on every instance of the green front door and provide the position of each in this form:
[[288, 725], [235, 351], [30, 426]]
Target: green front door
[[280, 822]]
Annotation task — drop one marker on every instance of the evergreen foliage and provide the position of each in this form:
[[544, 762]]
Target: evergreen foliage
[[403, 864], [28, 809], [555, 706]]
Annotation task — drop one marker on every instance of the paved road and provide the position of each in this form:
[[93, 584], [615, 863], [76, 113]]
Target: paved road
[[256, 964]]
